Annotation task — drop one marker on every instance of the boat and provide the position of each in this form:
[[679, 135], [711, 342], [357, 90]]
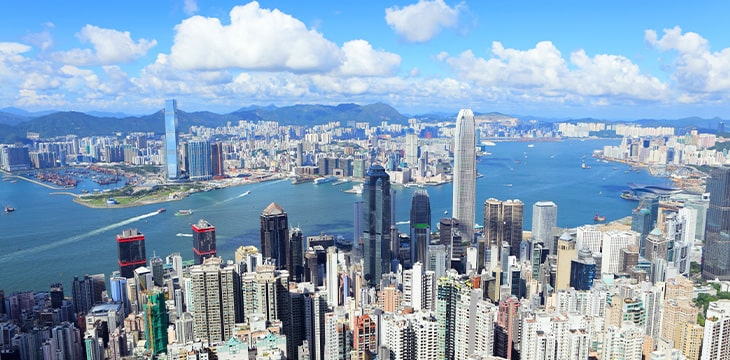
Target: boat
[[161, 210], [599, 218], [628, 195], [9, 209], [531, 145], [357, 189], [324, 179], [488, 143], [340, 182], [584, 166], [184, 212]]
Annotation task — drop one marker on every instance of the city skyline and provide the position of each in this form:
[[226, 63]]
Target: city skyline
[[556, 60]]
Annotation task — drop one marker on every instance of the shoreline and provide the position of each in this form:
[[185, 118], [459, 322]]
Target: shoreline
[[195, 187]]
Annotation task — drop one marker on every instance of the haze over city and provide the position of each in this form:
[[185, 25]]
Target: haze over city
[[618, 60]]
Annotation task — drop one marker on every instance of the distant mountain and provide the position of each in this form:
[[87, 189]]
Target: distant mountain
[[118, 115], [21, 112], [83, 124], [307, 115], [12, 119]]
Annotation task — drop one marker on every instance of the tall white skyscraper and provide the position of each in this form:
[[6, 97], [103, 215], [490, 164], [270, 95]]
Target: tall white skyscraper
[[411, 149], [613, 242], [544, 220], [588, 236], [465, 173], [171, 140]]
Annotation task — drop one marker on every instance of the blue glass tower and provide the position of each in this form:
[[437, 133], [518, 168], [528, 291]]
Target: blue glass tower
[[420, 226], [582, 270], [200, 165], [716, 255], [376, 225], [171, 141]]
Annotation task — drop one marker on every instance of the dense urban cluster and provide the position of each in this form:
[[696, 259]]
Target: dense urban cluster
[[655, 285]]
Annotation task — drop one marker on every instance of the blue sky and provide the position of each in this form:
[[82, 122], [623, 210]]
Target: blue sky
[[613, 60]]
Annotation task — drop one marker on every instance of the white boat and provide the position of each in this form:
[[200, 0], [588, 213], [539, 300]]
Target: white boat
[[324, 179], [357, 189]]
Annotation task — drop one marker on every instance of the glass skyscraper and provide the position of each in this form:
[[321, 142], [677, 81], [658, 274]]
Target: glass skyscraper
[[544, 220], [420, 226], [275, 235], [716, 254], [171, 140], [376, 225], [199, 160], [465, 174]]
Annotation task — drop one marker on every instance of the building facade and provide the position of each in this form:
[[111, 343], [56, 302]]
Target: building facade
[[465, 173]]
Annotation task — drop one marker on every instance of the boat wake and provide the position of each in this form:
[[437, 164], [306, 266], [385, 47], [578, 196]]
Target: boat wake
[[73, 239], [184, 235]]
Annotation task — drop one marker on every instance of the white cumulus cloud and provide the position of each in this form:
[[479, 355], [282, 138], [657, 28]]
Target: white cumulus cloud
[[422, 21], [543, 73], [362, 60], [256, 39], [696, 68], [13, 48], [109, 47]]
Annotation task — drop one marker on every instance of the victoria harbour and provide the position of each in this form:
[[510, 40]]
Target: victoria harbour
[[51, 229]]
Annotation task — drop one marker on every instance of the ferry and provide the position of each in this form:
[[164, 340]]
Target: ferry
[[628, 195], [357, 189], [184, 212], [324, 179]]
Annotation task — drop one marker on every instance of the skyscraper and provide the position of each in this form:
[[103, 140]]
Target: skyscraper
[[217, 157], [544, 220], [275, 235], [465, 173], [582, 270], [203, 241], [376, 225], [171, 140], [199, 160], [296, 255], [131, 251], [411, 149], [503, 223], [420, 226], [716, 254]]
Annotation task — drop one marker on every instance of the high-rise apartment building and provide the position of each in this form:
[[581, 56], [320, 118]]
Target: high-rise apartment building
[[199, 160], [275, 235], [131, 251], [716, 341], [172, 165], [203, 241], [214, 289], [465, 173], [716, 254], [420, 226], [376, 225], [544, 220]]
